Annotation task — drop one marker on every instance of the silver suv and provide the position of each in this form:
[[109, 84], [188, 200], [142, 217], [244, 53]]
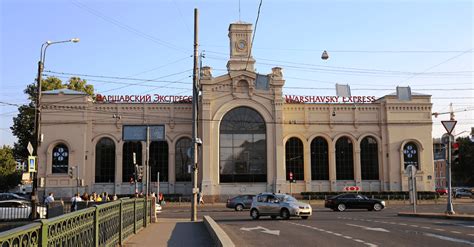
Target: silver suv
[[273, 205]]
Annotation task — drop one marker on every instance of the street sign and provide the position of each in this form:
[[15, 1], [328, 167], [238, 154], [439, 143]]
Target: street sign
[[30, 148], [352, 188], [445, 138], [449, 125], [31, 163]]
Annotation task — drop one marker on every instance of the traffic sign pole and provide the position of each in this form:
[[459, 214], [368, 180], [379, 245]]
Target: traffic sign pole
[[449, 207]]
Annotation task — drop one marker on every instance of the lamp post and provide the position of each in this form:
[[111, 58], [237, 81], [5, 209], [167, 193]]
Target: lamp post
[[37, 135]]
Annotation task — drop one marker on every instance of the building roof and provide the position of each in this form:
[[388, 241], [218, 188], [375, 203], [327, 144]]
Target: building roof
[[64, 91], [413, 94]]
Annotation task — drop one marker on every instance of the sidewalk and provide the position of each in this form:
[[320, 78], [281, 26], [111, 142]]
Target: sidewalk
[[172, 232], [468, 217]]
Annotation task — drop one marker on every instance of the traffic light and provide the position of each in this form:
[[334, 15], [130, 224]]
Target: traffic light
[[290, 177], [71, 172], [455, 153]]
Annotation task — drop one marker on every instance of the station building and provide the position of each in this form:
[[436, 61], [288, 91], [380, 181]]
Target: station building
[[253, 137]]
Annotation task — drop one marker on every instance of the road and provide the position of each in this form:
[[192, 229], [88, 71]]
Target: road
[[350, 228]]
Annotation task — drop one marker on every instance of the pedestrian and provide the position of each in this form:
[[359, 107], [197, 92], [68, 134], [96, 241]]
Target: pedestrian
[[201, 200], [49, 199], [115, 198], [74, 200], [85, 196], [160, 198], [105, 197]]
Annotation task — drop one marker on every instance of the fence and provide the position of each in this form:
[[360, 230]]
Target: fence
[[102, 225]]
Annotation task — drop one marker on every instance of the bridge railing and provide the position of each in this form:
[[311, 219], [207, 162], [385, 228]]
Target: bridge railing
[[102, 225]]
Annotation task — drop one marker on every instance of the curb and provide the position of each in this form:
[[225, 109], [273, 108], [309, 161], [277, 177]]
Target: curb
[[218, 235], [438, 216]]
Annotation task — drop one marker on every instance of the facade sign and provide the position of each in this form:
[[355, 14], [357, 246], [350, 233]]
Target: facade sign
[[31, 163], [291, 99], [328, 99], [138, 132]]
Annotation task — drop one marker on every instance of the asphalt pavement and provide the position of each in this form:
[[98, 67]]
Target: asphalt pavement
[[349, 228]]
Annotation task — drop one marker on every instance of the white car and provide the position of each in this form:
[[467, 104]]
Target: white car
[[157, 208], [18, 209]]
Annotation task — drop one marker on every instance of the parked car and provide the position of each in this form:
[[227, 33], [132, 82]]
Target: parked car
[[18, 209], [158, 208], [442, 191], [354, 201], [274, 205], [240, 202], [11, 196], [462, 192]]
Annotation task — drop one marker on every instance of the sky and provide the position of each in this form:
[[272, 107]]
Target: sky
[[374, 46]]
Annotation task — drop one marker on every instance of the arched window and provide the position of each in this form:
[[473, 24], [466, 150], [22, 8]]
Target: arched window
[[344, 159], [105, 161], [410, 155], [242, 147], [60, 158], [319, 159], [294, 159], [369, 159], [182, 161], [159, 160], [128, 167]]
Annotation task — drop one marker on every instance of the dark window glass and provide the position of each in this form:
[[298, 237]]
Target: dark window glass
[[294, 159], [410, 155], [60, 159], [105, 161], [128, 168], [159, 160], [344, 159], [182, 161], [369, 159], [319, 159], [348, 196], [242, 147]]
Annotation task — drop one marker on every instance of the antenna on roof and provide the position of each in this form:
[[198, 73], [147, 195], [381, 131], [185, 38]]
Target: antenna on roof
[[239, 10]]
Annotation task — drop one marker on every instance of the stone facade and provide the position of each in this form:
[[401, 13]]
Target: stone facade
[[79, 122]]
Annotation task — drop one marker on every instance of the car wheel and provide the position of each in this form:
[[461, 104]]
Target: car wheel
[[304, 217], [377, 206], [273, 217], [254, 214], [239, 207], [285, 214], [341, 207]]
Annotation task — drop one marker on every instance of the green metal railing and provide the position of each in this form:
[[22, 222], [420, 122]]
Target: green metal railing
[[102, 225]]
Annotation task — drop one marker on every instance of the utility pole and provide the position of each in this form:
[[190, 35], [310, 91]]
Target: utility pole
[[194, 131]]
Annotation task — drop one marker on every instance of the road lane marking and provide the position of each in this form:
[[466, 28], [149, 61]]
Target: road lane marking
[[402, 224], [336, 234], [370, 228], [470, 234], [449, 238], [456, 232], [265, 230], [414, 225], [441, 230]]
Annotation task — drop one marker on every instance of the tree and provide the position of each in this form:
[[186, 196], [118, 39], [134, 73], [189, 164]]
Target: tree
[[463, 173], [23, 123], [9, 176]]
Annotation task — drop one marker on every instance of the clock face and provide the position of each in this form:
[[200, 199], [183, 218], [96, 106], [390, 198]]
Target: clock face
[[241, 44]]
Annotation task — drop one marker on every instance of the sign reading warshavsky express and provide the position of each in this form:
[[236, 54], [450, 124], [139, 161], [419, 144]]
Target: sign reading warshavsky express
[[291, 99]]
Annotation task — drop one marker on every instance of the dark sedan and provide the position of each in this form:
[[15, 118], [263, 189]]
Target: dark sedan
[[353, 201], [240, 202]]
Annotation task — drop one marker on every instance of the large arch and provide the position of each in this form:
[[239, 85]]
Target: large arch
[[319, 158], [369, 158], [344, 158], [105, 156], [242, 146], [294, 158], [128, 166]]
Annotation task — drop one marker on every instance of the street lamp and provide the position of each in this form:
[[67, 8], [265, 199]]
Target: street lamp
[[44, 46]]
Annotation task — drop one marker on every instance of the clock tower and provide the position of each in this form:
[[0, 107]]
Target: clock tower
[[240, 37]]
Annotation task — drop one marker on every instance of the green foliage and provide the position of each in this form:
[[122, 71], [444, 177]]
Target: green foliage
[[9, 177], [463, 173], [23, 123]]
